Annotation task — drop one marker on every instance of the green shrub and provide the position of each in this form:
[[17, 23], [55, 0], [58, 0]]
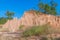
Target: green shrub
[[21, 26], [36, 30], [3, 20], [57, 39], [44, 38]]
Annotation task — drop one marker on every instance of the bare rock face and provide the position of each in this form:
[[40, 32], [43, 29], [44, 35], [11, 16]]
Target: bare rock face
[[30, 18]]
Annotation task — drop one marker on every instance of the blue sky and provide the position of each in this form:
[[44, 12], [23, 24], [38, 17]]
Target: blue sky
[[19, 6]]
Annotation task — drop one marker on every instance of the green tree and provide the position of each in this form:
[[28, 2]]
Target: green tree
[[47, 8], [53, 7], [9, 14]]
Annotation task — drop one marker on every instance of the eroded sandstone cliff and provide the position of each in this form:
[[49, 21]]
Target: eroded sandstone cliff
[[30, 18]]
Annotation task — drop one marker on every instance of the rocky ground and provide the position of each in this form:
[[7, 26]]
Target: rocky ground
[[18, 36], [15, 36]]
